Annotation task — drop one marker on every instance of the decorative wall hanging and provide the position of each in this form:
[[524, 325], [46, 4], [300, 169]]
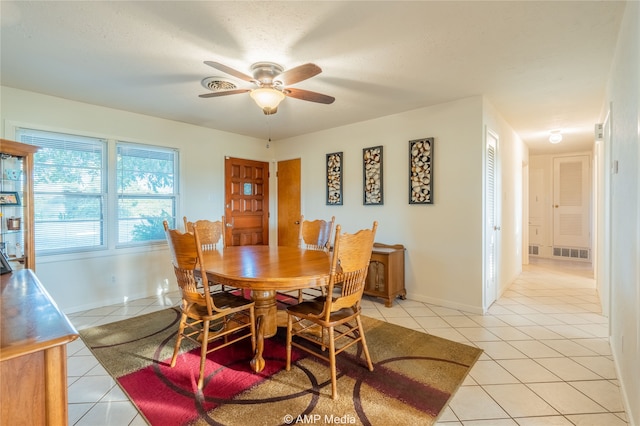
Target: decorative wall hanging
[[334, 178], [372, 181], [421, 171]]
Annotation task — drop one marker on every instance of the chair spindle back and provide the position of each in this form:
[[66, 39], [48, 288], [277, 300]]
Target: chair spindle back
[[186, 254], [349, 266], [315, 234]]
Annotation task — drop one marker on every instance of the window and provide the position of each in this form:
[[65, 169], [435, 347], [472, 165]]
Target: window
[[74, 192], [69, 186], [147, 191]]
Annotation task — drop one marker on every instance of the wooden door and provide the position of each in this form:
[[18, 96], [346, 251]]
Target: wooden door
[[288, 202], [246, 202]]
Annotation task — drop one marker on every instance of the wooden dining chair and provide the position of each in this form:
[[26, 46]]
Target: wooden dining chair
[[338, 314], [211, 238], [201, 309], [316, 234], [211, 233], [312, 235]]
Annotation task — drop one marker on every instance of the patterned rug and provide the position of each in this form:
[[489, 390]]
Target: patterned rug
[[414, 377]]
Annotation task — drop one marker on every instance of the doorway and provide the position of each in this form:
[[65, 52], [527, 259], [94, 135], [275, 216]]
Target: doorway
[[246, 202]]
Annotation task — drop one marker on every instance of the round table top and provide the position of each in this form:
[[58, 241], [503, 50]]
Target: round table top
[[263, 267]]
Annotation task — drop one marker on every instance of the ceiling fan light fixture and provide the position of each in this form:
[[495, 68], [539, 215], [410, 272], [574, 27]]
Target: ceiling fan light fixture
[[268, 99]]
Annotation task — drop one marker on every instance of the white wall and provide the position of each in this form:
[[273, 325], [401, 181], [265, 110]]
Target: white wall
[[443, 240], [623, 94], [79, 282]]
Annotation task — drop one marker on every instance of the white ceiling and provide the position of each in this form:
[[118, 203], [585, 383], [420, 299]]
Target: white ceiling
[[543, 65]]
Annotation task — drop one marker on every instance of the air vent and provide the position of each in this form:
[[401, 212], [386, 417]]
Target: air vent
[[572, 253], [218, 84], [535, 250]]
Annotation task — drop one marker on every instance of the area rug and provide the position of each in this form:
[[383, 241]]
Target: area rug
[[414, 377]]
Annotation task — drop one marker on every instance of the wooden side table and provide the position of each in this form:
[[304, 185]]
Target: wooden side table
[[385, 278]]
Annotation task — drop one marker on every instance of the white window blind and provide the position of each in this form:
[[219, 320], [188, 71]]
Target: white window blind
[[69, 191]]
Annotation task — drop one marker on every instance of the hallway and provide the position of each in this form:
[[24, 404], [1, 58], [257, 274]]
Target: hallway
[[547, 360]]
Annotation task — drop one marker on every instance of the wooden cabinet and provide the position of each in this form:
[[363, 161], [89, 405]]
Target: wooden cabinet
[[16, 204], [385, 278], [33, 358]]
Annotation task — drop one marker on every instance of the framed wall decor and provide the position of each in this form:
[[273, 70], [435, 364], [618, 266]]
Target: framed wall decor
[[372, 176], [421, 171], [334, 179], [9, 198]]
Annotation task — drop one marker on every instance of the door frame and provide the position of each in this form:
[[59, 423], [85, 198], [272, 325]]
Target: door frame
[[601, 242]]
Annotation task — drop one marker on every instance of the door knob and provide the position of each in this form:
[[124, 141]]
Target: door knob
[[228, 225], [297, 222]]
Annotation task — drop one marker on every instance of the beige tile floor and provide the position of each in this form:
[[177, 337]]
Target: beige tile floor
[[546, 359]]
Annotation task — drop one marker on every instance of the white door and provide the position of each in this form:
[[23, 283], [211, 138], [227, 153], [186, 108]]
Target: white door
[[492, 227], [571, 202]]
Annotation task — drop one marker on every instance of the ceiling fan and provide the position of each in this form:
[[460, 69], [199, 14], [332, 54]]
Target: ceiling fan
[[272, 83]]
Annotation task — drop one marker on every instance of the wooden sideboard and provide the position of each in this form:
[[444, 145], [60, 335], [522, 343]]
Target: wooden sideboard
[[33, 353], [385, 278]]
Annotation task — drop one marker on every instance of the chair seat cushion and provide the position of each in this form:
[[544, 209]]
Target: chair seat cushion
[[222, 301], [228, 300], [315, 307]]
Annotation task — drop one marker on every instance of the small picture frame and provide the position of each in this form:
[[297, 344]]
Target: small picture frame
[[372, 183], [9, 198], [421, 171], [335, 169], [4, 264]]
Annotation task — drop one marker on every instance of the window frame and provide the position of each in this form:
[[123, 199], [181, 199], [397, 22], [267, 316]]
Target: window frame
[[110, 195], [175, 196]]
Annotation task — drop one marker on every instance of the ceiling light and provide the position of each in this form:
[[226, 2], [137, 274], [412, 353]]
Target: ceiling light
[[555, 137], [268, 99]]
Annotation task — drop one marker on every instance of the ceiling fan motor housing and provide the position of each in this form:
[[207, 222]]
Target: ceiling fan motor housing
[[265, 72]]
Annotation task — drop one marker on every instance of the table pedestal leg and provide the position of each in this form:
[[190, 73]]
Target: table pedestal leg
[[266, 307]]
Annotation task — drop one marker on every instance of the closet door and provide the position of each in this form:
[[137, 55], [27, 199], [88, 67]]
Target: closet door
[[571, 203], [492, 220]]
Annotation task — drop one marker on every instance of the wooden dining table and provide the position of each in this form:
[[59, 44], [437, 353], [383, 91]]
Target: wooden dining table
[[265, 270]]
